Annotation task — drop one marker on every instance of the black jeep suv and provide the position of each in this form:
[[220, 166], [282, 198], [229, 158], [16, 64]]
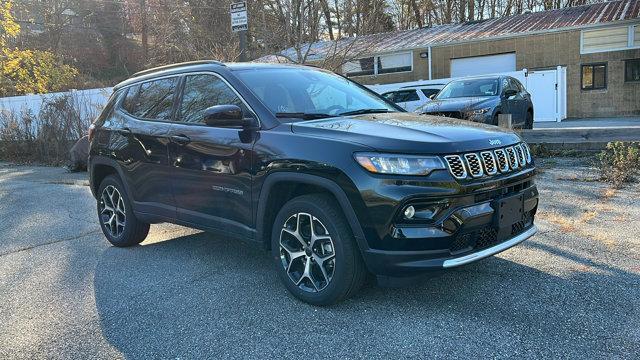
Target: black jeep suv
[[335, 180]]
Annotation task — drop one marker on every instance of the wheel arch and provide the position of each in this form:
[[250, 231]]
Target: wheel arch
[[99, 169], [278, 188]]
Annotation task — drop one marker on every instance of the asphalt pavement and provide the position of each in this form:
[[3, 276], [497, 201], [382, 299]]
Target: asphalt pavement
[[572, 291]]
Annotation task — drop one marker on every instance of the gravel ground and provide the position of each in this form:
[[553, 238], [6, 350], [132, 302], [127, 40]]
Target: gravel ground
[[572, 291]]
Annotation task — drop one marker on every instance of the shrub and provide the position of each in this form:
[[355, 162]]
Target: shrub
[[47, 137], [619, 162]]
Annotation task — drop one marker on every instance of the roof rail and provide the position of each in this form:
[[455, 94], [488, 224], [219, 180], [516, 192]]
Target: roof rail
[[171, 66]]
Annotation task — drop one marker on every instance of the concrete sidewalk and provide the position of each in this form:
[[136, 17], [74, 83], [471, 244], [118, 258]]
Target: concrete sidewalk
[[590, 123]]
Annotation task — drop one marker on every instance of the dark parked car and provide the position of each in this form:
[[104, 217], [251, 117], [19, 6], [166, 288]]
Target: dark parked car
[[332, 178], [482, 99]]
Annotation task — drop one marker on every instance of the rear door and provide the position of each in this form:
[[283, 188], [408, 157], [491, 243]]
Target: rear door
[[144, 118], [211, 165]]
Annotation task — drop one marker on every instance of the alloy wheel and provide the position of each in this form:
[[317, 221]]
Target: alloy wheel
[[112, 211], [307, 252]]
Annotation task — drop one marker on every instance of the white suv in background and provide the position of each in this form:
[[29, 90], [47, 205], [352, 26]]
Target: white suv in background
[[412, 97]]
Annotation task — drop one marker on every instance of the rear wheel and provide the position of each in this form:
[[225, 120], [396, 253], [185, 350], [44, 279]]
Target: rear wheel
[[117, 221], [314, 251]]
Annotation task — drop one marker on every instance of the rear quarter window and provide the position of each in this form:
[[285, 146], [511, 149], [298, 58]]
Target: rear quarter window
[[152, 100]]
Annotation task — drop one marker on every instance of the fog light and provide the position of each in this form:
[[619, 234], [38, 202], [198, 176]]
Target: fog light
[[409, 211]]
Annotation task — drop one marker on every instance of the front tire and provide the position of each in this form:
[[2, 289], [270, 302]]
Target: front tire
[[117, 220], [528, 124], [315, 253]]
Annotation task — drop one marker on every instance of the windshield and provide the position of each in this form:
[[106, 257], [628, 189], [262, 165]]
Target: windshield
[[298, 93], [469, 88]]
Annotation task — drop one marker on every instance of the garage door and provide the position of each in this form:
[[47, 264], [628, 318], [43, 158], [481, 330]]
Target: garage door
[[479, 65]]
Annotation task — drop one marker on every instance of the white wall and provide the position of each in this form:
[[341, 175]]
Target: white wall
[[91, 101]]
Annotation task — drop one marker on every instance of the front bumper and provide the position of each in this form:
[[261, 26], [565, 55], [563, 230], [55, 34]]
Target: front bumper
[[480, 233], [404, 263]]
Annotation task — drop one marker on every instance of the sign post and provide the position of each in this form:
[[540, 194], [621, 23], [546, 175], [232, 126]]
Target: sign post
[[240, 25]]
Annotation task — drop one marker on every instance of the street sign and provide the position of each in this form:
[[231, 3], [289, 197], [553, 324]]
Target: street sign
[[239, 16]]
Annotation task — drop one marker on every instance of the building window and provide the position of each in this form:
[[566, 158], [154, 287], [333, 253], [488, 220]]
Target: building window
[[359, 67], [632, 70], [594, 76], [394, 63], [610, 39], [382, 64]]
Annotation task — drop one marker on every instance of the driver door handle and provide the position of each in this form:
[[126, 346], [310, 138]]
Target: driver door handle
[[180, 139]]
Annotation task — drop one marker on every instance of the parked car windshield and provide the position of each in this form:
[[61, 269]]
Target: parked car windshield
[[469, 88], [293, 94]]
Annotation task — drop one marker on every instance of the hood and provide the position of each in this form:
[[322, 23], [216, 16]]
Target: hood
[[458, 104], [409, 133]]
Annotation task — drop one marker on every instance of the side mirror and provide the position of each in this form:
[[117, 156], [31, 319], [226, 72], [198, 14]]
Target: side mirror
[[509, 93], [228, 116], [433, 96]]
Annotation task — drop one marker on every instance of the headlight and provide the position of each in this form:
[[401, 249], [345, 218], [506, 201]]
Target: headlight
[[479, 111], [399, 164]]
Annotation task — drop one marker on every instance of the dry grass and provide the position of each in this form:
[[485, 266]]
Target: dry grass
[[576, 225]]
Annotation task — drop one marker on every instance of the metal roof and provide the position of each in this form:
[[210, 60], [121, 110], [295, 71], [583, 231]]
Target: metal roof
[[514, 25]]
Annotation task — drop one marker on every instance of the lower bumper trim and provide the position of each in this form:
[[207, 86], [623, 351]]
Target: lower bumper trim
[[490, 251]]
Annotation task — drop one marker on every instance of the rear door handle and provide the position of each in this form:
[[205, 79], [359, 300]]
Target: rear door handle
[[124, 131], [180, 139]]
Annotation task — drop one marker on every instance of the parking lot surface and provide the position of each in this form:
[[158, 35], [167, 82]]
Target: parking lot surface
[[571, 291]]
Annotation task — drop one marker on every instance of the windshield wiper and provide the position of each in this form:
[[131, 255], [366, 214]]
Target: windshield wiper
[[301, 115], [364, 111]]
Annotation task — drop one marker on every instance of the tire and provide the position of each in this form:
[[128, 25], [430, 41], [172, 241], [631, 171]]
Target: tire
[[299, 266], [120, 226], [528, 123]]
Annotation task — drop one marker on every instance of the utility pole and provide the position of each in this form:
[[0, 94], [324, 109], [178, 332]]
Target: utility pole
[[240, 25], [145, 40]]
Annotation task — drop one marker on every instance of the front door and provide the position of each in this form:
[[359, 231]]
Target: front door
[[212, 165], [515, 104]]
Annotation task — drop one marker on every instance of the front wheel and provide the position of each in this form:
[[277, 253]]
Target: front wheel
[[315, 253], [528, 124]]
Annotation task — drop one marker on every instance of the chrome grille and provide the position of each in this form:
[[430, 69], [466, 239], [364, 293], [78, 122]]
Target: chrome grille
[[503, 163], [522, 160], [527, 152], [473, 164], [489, 162], [456, 167], [511, 156]]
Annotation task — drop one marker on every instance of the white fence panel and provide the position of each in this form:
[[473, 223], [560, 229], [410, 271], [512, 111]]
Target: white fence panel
[[90, 102]]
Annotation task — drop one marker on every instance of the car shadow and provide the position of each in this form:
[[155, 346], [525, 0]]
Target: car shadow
[[204, 296]]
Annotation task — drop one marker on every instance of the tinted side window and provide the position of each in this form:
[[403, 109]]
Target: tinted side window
[[411, 95], [129, 100], [507, 84], [202, 92], [154, 100], [515, 85]]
